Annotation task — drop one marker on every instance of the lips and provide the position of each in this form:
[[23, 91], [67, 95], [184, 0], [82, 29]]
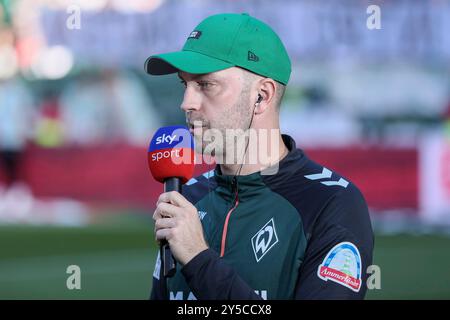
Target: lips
[[191, 125], [193, 128]]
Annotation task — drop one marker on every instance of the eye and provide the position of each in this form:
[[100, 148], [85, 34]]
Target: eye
[[204, 84], [183, 83]]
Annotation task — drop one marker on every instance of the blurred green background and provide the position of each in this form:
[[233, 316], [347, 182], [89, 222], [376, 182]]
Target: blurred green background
[[117, 260]]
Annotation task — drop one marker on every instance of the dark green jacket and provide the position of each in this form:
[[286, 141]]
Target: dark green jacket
[[302, 233]]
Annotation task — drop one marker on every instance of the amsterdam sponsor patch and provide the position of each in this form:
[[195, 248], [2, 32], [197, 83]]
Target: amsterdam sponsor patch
[[342, 265]]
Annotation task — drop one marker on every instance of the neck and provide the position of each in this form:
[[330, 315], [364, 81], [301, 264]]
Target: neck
[[257, 159]]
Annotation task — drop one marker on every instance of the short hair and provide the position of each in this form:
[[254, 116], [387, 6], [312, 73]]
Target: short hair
[[279, 94], [250, 77]]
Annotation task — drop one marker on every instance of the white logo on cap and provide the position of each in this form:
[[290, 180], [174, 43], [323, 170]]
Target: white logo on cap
[[195, 34]]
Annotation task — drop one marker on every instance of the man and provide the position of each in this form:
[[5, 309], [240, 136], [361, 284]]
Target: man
[[245, 231]]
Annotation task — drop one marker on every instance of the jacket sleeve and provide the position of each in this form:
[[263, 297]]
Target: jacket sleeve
[[342, 235], [210, 278], [159, 286]]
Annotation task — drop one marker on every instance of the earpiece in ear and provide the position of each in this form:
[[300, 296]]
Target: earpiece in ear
[[259, 99], [257, 102]]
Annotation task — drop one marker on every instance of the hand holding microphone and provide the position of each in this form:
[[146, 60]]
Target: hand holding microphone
[[177, 225], [181, 226]]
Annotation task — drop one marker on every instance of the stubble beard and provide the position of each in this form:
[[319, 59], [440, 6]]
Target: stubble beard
[[218, 139]]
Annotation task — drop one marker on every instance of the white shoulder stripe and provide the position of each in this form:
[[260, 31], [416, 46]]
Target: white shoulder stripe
[[325, 174], [207, 175], [191, 181], [341, 182]]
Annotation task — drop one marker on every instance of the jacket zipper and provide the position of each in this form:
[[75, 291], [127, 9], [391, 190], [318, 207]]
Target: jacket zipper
[[227, 219]]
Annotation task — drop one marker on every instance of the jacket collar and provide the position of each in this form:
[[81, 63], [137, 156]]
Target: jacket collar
[[248, 185]]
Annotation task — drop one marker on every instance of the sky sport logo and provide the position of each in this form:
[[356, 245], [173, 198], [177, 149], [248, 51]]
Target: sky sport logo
[[166, 139], [172, 154], [172, 144], [264, 240]]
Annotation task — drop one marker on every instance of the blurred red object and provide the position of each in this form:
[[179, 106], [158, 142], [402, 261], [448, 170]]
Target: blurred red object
[[118, 174]]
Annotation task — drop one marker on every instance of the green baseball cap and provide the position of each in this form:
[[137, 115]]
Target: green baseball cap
[[227, 40]]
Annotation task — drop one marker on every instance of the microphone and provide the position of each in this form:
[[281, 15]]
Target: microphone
[[171, 161]]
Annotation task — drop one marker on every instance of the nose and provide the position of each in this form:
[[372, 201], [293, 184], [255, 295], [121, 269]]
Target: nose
[[191, 100]]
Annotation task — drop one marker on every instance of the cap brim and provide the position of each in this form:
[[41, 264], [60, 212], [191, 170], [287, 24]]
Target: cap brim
[[187, 61]]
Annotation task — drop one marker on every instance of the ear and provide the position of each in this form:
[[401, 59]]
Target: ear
[[266, 88]]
